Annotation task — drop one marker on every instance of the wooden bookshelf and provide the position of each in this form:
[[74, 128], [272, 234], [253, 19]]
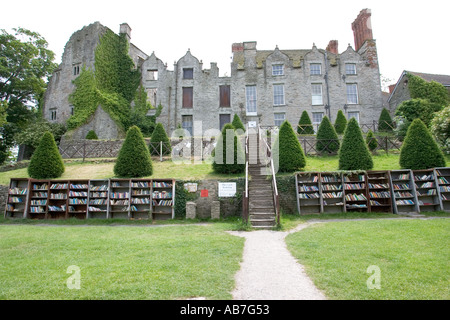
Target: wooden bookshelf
[[141, 199], [58, 199], [356, 192], [163, 199], [426, 190], [38, 199], [119, 198], [308, 193], [16, 203], [379, 189], [98, 199], [403, 191], [78, 198], [332, 192], [443, 183]]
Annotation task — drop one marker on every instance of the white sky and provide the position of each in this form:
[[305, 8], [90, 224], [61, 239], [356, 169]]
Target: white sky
[[409, 36]]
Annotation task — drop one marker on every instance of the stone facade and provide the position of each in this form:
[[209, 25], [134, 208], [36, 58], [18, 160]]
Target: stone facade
[[265, 86]]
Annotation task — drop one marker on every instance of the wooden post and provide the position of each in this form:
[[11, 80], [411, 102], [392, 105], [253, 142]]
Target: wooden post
[[160, 151]]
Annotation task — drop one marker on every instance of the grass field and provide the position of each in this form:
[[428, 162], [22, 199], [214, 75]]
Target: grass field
[[172, 262], [412, 256]]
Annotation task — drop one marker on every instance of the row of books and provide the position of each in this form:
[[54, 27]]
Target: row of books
[[59, 186], [443, 180], [99, 188], [426, 185], [305, 188], [78, 194], [308, 195], [381, 194], [16, 199], [431, 192], [78, 186], [77, 201], [162, 202], [58, 196], [404, 186], [355, 197], [424, 177], [40, 194], [161, 195], [378, 186], [18, 191], [331, 187], [354, 186]]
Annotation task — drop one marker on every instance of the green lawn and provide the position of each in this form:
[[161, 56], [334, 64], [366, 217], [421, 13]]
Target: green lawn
[[171, 262], [412, 256]]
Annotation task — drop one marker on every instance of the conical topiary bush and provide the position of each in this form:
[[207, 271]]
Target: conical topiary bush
[[371, 141], [46, 161], [91, 135], [419, 149], [134, 159], [354, 153], [385, 123], [304, 124], [235, 162], [160, 135], [327, 138], [237, 123], [287, 151], [341, 122]]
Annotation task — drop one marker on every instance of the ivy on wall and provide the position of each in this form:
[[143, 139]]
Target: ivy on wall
[[114, 84]]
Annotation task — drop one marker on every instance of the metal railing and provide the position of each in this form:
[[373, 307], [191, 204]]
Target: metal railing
[[245, 202]]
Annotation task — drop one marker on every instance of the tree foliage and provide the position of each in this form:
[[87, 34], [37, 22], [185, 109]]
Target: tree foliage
[[340, 123], [305, 124], [32, 135], [91, 135], [440, 128], [228, 155], [327, 138], [237, 123], [159, 135], [432, 91], [371, 141], [420, 150], [287, 150], [354, 153], [385, 123], [46, 162], [134, 159], [418, 108]]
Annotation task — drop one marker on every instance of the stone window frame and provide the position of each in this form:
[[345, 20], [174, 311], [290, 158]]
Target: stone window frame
[[53, 114], [316, 94], [184, 123], [251, 100], [278, 97], [354, 114], [188, 102], [278, 69], [352, 71], [278, 120], [224, 96], [188, 73], [76, 69], [352, 93]]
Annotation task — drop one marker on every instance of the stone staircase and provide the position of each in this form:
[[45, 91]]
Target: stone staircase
[[260, 194]]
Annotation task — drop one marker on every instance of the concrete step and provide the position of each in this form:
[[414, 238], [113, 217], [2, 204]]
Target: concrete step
[[268, 223], [259, 215]]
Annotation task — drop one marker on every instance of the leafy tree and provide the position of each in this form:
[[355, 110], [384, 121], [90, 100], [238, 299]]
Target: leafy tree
[[421, 109], [159, 135], [134, 159], [385, 123], [91, 135], [354, 153], [432, 91], [305, 124], [340, 123], [237, 123], [46, 162], [420, 150], [25, 64], [327, 138], [287, 150], [223, 161], [33, 134], [371, 141], [440, 128]]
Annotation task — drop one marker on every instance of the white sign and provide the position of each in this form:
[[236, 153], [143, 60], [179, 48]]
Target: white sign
[[252, 124], [227, 189]]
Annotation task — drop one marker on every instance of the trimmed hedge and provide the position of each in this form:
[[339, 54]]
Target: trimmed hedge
[[134, 159], [327, 138], [287, 150], [304, 124], [340, 123], [220, 163], [371, 141], [385, 123], [420, 150], [354, 153], [91, 135], [46, 161], [159, 135], [237, 123]]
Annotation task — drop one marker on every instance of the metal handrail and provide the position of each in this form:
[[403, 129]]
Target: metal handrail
[[245, 200]]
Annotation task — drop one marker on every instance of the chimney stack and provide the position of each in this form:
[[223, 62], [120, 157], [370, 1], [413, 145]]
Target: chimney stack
[[237, 47], [362, 28], [333, 47], [125, 29]]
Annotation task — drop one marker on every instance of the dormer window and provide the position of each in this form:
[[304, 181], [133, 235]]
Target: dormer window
[[278, 70], [188, 73]]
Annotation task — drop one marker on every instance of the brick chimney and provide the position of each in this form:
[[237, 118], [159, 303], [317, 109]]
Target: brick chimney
[[237, 47], [333, 47], [362, 28], [391, 88]]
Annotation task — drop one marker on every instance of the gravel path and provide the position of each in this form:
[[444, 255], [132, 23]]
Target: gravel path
[[269, 271]]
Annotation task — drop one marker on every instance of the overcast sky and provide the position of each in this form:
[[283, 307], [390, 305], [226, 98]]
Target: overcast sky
[[410, 35]]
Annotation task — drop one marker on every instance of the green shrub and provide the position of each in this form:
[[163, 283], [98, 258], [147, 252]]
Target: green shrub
[[304, 124], [91, 135], [327, 138], [420, 150], [418, 109], [134, 159], [287, 150], [371, 141], [220, 162], [46, 162], [385, 123], [340, 123], [440, 128], [237, 123], [354, 153], [160, 135]]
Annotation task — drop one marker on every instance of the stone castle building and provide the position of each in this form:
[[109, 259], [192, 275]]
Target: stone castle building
[[265, 87]]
